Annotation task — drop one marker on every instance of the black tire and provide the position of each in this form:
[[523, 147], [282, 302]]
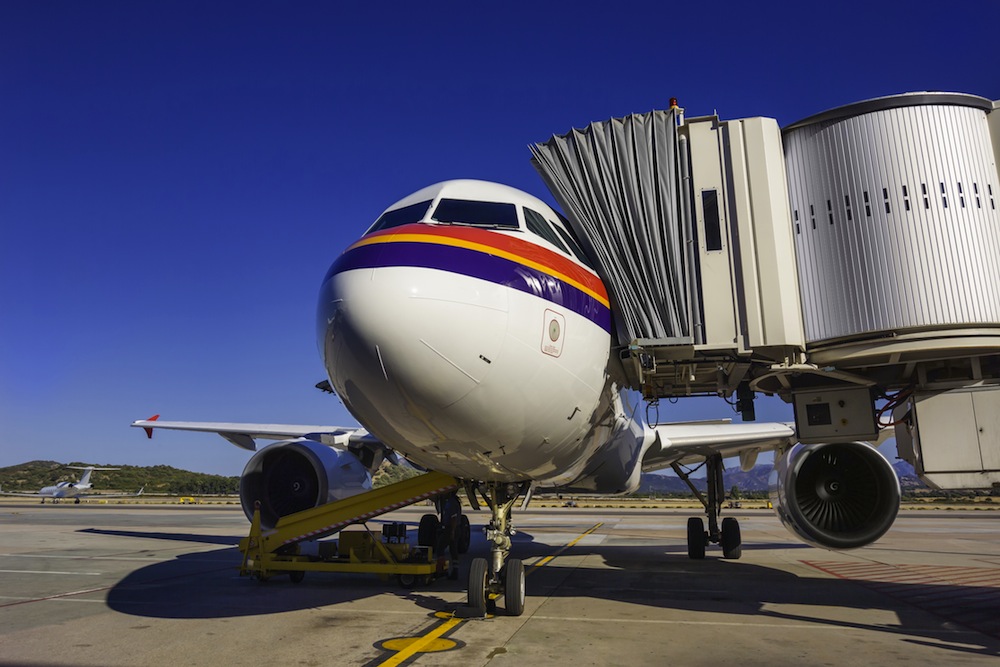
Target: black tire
[[296, 576], [513, 580], [696, 538], [731, 540], [477, 583], [407, 580], [428, 531], [464, 535]]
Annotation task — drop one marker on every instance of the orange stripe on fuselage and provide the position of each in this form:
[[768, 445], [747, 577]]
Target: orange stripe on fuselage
[[501, 245]]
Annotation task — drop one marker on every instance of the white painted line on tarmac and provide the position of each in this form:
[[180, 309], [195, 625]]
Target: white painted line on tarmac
[[87, 574], [12, 597], [144, 559]]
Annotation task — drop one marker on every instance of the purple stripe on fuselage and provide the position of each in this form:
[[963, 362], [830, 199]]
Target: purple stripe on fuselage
[[477, 265]]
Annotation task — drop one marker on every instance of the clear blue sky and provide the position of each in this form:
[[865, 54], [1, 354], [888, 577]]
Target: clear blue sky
[[176, 177]]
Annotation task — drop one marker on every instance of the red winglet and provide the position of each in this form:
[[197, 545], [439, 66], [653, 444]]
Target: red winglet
[[147, 429]]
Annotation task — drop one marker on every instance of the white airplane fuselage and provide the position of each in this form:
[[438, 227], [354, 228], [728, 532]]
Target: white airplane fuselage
[[64, 490], [476, 350]]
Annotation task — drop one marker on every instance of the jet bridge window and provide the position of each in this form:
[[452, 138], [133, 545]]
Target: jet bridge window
[[713, 225], [538, 225], [479, 213], [401, 216]]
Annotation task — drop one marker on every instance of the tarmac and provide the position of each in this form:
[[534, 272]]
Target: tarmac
[[108, 585]]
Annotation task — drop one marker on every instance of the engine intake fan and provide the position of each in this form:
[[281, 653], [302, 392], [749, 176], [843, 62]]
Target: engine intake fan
[[837, 496], [295, 475]]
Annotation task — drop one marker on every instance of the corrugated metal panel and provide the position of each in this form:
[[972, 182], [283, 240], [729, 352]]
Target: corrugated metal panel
[[617, 182], [895, 217]]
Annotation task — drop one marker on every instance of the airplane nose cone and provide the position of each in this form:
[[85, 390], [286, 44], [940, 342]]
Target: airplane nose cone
[[424, 336]]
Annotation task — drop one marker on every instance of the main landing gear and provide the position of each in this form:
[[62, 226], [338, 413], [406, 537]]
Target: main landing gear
[[498, 576], [728, 537]]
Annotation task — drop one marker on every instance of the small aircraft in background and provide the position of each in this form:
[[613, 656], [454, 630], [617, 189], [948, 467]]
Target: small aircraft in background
[[76, 490]]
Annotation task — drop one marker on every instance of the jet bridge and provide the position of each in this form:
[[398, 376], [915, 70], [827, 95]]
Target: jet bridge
[[687, 221], [847, 263]]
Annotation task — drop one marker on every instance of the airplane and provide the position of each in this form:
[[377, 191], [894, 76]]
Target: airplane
[[468, 333], [76, 490]]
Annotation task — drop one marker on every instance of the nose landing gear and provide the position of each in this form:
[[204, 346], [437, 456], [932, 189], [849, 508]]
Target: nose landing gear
[[498, 576]]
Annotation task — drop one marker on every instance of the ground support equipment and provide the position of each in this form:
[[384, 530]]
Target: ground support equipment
[[268, 552]]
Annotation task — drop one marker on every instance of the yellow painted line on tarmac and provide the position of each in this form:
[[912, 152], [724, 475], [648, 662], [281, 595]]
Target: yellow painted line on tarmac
[[549, 559], [405, 648], [427, 643]]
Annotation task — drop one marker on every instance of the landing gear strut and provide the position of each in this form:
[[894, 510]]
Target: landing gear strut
[[498, 576], [728, 537]]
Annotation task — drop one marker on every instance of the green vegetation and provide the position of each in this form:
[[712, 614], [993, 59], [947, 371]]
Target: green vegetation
[[157, 479], [390, 474], [34, 475]]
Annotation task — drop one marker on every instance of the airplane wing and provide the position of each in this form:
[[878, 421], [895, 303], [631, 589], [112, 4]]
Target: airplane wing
[[112, 495], [27, 494], [694, 441], [246, 435]]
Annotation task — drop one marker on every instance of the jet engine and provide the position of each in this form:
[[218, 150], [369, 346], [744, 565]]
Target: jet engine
[[837, 496], [294, 475]]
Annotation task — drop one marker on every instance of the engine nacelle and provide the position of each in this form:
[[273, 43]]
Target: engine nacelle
[[837, 496], [294, 475]]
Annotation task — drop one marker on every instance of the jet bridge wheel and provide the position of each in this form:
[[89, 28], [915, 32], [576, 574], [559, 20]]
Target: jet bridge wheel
[[696, 537], [731, 541], [513, 580], [478, 571]]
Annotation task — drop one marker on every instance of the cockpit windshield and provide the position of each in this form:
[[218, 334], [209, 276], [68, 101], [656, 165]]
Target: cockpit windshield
[[401, 216], [537, 225], [478, 213], [571, 242]]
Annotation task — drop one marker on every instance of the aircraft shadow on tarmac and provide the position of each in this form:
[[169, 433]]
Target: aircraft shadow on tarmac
[[224, 540], [205, 584]]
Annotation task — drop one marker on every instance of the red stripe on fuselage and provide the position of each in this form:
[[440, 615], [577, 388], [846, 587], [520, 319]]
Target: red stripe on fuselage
[[530, 252]]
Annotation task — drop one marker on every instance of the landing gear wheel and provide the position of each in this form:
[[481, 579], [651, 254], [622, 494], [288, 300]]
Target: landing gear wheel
[[513, 580], [477, 583], [428, 530], [696, 538], [731, 539], [464, 535], [297, 576], [407, 580], [77, 501]]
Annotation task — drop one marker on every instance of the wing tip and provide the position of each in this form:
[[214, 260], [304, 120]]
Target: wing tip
[[149, 429]]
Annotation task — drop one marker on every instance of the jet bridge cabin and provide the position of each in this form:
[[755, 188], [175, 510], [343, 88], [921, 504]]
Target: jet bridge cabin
[[847, 263]]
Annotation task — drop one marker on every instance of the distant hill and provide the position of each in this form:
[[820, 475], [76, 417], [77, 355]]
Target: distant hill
[[754, 481], [34, 475]]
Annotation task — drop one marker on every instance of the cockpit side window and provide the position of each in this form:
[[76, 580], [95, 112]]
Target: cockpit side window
[[571, 242], [538, 225], [401, 216], [478, 213]]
